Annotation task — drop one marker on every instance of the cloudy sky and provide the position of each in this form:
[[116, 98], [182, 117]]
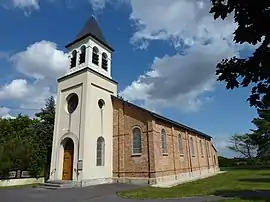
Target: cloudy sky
[[165, 59]]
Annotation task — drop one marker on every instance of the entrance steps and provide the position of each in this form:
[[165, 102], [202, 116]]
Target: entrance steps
[[59, 184]]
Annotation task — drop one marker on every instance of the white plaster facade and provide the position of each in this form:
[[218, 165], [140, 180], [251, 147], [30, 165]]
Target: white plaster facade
[[88, 122]]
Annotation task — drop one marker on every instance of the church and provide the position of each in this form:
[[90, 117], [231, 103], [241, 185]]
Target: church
[[101, 138]]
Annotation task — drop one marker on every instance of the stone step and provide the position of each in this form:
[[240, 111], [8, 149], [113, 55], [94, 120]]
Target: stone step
[[58, 184]]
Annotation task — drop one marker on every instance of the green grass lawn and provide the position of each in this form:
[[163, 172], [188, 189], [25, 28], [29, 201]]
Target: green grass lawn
[[242, 184]]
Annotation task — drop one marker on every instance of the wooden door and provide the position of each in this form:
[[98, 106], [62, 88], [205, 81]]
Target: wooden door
[[68, 162]]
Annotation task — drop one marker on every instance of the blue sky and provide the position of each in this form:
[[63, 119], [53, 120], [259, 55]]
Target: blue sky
[[165, 58]]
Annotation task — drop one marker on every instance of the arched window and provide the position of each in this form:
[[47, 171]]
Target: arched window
[[82, 55], [100, 151], [136, 141], [192, 146], [104, 61], [95, 56], [201, 146], [73, 59], [180, 144], [163, 141], [210, 151]]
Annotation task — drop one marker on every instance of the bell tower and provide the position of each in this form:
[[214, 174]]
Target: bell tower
[[90, 49], [83, 130]]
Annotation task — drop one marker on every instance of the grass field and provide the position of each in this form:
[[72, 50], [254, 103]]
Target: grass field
[[248, 184]]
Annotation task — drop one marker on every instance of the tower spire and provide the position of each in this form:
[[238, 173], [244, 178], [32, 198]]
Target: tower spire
[[92, 29]]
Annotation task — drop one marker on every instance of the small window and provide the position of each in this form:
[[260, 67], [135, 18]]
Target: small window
[[180, 144], [82, 55], [163, 141], [104, 61], [137, 141], [100, 151], [73, 59], [95, 56], [201, 146], [192, 147]]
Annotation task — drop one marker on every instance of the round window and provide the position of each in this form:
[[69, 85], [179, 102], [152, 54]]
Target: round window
[[101, 103], [72, 102]]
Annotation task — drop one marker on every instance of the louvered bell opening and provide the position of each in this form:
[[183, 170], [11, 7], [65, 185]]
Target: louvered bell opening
[[95, 59], [105, 64], [73, 62], [82, 58]]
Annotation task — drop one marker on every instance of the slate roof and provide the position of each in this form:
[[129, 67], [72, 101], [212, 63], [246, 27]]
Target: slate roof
[[91, 28]]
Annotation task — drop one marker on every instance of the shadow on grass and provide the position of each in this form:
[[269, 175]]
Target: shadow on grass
[[249, 167], [255, 180], [254, 195]]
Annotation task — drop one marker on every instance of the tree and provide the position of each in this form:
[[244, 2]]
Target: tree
[[253, 19], [243, 144], [45, 128], [261, 136]]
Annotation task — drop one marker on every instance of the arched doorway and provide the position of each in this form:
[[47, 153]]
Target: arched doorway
[[68, 159]]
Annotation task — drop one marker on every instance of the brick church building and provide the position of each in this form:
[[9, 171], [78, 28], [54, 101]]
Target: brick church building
[[100, 138]]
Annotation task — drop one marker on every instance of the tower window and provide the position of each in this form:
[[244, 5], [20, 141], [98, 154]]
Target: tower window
[[104, 61], [82, 55], [73, 59], [95, 56]]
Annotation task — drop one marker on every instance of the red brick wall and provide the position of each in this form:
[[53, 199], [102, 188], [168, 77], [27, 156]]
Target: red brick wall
[[152, 163]]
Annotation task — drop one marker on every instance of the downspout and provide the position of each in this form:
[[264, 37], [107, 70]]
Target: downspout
[[148, 153]]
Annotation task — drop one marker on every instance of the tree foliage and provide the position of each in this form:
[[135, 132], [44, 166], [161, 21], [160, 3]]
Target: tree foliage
[[243, 144], [253, 19], [25, 144], [261, 135]]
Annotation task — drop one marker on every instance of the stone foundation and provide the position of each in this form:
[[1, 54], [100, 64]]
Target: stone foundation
[[164, 181]]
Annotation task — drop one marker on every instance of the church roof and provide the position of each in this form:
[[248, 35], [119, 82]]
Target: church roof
[[157, 116], [92, 29]]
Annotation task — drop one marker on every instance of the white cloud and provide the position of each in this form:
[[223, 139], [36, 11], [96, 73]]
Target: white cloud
[[17, 89], [179, 80], [41, 60], [183, 21], [98, 5], [4, 112], [31, 4], [43, 63]]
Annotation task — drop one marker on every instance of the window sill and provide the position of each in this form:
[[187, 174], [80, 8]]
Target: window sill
[[136, 155], [165, 154]]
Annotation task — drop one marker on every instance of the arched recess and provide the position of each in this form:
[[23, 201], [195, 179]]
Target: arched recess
[[60, 155], [68, 159]]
